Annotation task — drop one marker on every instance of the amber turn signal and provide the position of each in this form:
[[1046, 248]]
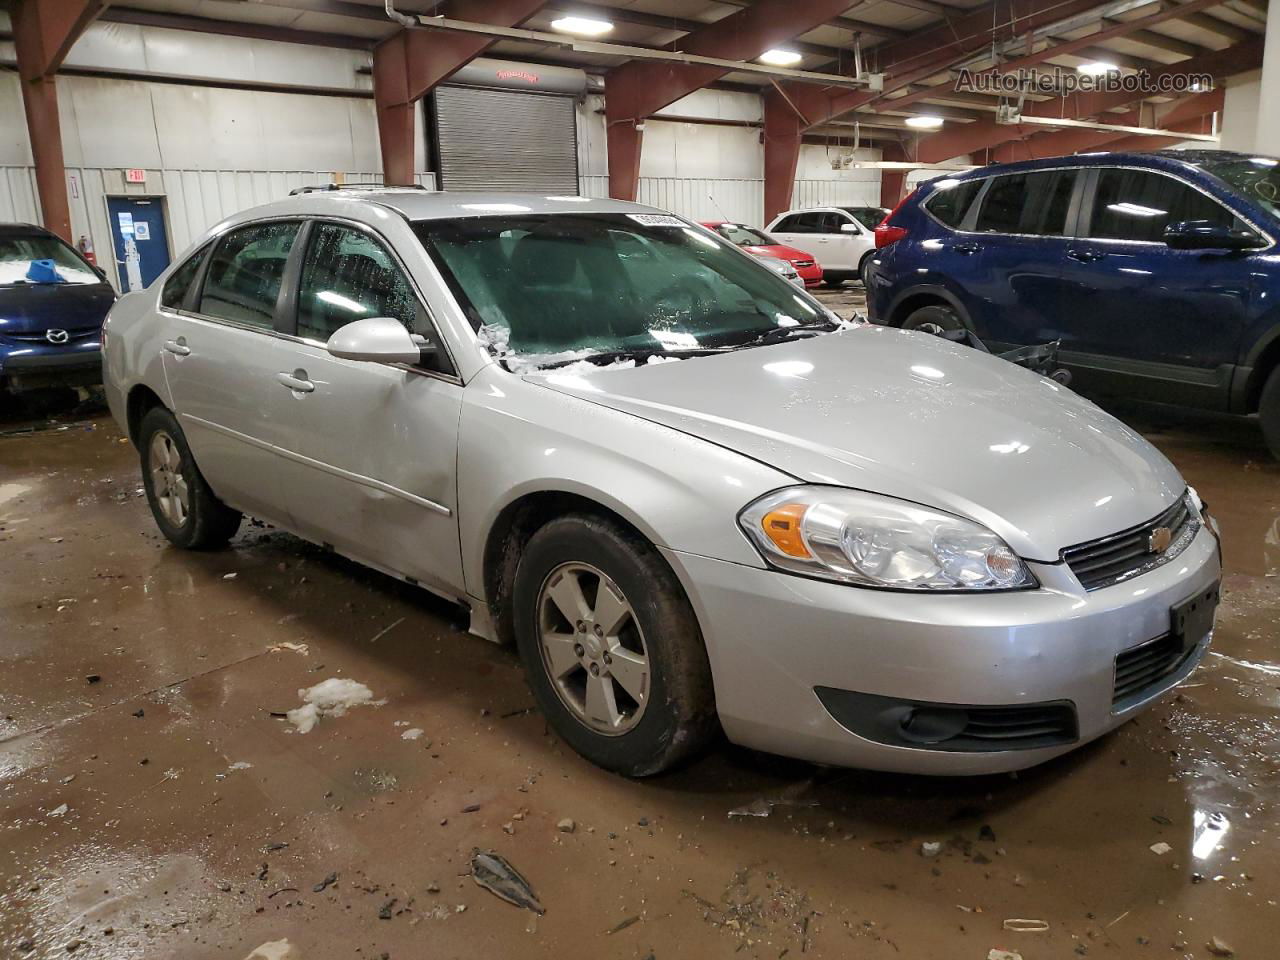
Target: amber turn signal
[[782, 527]]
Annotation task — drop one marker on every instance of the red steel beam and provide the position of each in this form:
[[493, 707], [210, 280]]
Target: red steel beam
[[983, 134], [43, 33], [640, 88], [410, 63]]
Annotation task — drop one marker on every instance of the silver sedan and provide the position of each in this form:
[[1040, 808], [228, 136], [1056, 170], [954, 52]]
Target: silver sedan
[[691, 496]]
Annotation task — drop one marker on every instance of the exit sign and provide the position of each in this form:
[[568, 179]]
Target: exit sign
[[136, 175]]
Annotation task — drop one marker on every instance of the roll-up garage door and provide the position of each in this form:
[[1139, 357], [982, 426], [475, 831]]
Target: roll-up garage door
[[506, 140]]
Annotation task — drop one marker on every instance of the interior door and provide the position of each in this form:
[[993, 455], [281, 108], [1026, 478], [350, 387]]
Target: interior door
[[1014, 250], [370, 448], [140, 239], [1148, 320], [220, 356]]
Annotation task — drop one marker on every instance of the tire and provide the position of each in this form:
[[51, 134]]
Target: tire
[[937, 314], [862, 268], [1269, 412], [185, 509], [654, 625], [832, 281]]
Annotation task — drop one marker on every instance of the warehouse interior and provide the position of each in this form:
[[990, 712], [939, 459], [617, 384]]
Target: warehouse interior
[[159, 796]]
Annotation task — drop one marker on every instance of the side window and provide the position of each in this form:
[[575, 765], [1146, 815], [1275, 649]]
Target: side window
[[789, 224], [832, 222], [349, 276], [1139, 204], [1027, 203], [243, 280], [950, 203], [174, 294]]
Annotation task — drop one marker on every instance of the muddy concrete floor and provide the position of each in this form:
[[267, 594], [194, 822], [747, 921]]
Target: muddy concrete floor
[[154, 804]]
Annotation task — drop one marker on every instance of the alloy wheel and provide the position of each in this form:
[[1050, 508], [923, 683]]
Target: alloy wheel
[[593, 648], [168, 484]]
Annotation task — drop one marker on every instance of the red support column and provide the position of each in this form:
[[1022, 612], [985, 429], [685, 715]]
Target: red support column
[[893, 183], [43, 32], [395, 111], [625, 139], [782, 139]]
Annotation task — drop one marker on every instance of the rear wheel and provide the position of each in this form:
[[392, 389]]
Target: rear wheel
[[832, 280], [862, 266], [185, 509], [1269, 412], [935, 315], [611, 646]]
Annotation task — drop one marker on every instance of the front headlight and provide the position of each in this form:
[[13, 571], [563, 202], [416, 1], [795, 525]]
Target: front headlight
[[875, 541]]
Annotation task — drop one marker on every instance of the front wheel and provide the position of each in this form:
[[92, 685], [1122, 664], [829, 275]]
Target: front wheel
[[1269, 412], [185, 509], [832, 280], [611, 646]]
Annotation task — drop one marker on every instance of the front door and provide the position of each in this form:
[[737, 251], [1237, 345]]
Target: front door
[[221, 353], [370, 448], [1149, 320], [139, 238]]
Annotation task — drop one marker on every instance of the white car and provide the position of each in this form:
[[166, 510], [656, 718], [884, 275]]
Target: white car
[[842, 238], [689, 494]]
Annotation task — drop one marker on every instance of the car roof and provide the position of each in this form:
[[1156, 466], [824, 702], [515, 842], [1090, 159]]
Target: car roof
[[1169, 160], [415, 204], [23, 230]]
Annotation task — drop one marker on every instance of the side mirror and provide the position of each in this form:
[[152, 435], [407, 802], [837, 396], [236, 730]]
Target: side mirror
[[848, 227], [377, 340], [1207, 235]]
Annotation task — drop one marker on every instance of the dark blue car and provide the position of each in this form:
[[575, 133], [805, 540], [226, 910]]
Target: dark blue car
[[1159, 272], [52, 304]]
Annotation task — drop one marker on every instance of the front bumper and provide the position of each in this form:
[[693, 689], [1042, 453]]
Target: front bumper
[[811, 275], [774, 638], [27, 368]]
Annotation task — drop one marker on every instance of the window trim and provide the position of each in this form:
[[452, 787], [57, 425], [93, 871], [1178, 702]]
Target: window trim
[[1070, 227], [1086, 207]]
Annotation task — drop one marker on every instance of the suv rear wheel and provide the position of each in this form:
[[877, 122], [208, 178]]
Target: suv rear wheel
[[936, 314], [611, 646]]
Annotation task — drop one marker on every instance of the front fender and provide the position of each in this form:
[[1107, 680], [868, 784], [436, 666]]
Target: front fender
[[517, 437]]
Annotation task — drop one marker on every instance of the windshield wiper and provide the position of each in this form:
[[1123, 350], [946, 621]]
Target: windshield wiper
[[638, 354], [779, 334]]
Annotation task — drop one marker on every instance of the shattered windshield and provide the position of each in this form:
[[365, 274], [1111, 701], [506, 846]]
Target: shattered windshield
[[33, 258], [1258, 178], [545, 289]]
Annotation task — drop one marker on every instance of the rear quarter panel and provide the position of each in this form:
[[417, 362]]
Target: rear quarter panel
[[134, 331]]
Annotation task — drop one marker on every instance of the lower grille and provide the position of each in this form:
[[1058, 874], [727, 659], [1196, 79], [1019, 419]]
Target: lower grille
[[1144, 667], [1100, 563], [803, 263], [952, 727]]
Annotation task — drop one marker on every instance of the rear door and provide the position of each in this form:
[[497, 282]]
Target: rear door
[[1015, 242], [220, 358], [1148, 320], [370, 448]]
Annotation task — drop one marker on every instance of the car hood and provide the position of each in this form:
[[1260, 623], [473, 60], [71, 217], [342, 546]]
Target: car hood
[[36, 307], [911, 416], [781, 251]]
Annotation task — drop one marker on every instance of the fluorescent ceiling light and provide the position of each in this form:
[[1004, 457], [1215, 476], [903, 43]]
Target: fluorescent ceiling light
[[1095, 68], [780, 58], [583, 26], [924, 123]]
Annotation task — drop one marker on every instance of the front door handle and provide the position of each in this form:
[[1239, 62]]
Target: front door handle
[[967, 248], [178, 347], [1086, 256], [296, 381]]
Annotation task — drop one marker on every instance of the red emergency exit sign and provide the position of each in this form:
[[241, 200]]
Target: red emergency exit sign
[[135, 175]]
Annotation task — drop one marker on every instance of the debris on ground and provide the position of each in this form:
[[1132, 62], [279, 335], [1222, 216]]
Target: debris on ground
[[763, 806], [930, 849], [566, 826], [387, 909], [230, 576], [300, 648], [986, 833], [997, 954], [275, 950], [619, 927], [1160, 849], [93, 678], [413, 733], [761, 908], [59, 811], [1219, 948], [324, 884], [495, 874], [329, 698], [1017, 925], [760, 807]]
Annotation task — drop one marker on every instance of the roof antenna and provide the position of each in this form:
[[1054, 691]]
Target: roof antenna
[[715, 204]]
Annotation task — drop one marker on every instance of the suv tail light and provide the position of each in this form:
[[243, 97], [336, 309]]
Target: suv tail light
[[886, 232]]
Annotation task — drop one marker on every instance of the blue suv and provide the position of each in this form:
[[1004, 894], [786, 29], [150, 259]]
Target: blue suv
[[52, 304], [1159, 272]]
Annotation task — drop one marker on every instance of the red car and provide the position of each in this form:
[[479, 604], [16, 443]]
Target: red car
[[762, 245]]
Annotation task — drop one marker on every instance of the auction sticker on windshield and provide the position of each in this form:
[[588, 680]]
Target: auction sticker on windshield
[[656, 220]]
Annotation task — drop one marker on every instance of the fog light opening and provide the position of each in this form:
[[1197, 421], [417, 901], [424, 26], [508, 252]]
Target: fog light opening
[[932, 725]]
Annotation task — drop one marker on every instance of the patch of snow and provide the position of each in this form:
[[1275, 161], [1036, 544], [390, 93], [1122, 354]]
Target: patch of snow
[[59, 811], [241, 765], [329, 698], [413, 733], [657, 358], [275, 950]]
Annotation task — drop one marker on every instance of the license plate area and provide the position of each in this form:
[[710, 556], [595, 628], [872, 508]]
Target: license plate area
[[1191, 620]]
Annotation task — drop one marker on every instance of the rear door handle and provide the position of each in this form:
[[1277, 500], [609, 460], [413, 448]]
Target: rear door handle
[[296, 381], [178, 347], [1086, 256], [967, 248]]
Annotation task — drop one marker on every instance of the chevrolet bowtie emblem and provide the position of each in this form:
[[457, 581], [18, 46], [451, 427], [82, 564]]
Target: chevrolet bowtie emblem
[[1159, 539]]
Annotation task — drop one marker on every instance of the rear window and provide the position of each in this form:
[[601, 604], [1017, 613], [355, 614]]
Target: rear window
[[244, 276], [951, 199], [36, 258]]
